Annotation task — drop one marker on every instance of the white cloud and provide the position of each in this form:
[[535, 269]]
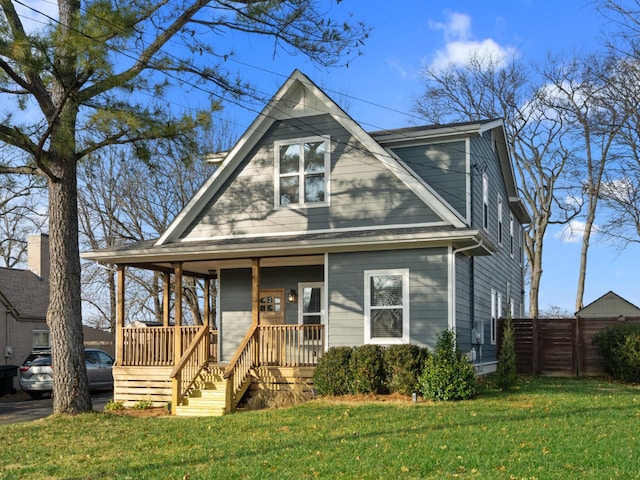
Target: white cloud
[[460, 46], [573, 232]]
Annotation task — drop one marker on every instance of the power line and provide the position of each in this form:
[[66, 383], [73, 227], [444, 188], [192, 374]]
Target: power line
[[305, 128]]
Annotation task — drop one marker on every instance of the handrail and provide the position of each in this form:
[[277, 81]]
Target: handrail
[[192, 362], [239, 369], [236, 358]]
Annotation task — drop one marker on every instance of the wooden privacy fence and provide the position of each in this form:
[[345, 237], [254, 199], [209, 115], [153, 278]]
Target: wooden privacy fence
[[559, 346]]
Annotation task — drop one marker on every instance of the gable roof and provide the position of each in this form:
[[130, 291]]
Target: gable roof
[[609, 305], [24, 294], [300, 97], [409, 135]]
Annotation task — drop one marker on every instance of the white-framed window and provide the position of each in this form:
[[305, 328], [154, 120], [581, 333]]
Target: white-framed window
[[386, 297], [512, 247], [520, 244], [302, 172], [500, 229], [485, 202], [41, 339], [496, 309], [311, 308]]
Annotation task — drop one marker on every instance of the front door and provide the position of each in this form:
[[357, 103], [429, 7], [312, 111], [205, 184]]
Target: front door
[[271, 308]]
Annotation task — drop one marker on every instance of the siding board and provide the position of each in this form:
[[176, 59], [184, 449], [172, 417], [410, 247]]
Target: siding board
[[428, 294], [363, 192]]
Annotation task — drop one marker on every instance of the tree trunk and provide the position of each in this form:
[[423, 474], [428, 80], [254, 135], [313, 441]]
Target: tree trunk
[[64, 316]]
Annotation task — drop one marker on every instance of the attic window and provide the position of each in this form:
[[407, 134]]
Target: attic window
[[302, 168]]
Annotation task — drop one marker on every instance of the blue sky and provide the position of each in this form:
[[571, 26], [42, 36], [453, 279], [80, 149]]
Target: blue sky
[[379, 87], [382, 84]]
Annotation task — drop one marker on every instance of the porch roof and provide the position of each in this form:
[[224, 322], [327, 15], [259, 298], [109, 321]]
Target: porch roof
[[205, 255]]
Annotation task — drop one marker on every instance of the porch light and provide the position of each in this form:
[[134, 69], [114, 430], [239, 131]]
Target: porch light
[[292, 296]]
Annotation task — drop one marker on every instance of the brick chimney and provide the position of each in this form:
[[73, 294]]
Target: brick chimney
[[38, 255]]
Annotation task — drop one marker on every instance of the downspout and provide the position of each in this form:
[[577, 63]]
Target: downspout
[[453, 287]]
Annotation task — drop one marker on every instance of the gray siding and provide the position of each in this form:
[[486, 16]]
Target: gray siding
[[363, 191], [464, 303], [501, 271], [444, 167], [428, 292], [235, 309], [235, 299]]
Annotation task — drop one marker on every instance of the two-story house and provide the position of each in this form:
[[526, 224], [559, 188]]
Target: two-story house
[[321, 234]]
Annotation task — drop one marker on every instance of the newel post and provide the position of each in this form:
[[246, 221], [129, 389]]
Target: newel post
[[177, 345], [120, 317]]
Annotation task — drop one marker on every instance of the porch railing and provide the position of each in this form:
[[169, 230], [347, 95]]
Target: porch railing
[[291, 345], [154, 347], [194, 359], [239, 369]]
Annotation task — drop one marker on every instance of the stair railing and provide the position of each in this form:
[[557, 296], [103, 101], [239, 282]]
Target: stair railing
[[194, 359], [239, 369]]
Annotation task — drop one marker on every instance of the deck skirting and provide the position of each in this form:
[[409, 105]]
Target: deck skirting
[[149, 384]]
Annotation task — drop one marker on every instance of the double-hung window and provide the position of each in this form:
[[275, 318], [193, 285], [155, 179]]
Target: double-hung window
[[302, 172], [386, 306], [485, 202], [41, 339], [512, 247], [500, 229], [496, 309]]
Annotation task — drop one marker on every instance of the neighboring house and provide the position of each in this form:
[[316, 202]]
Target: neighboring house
[[321, 234], [24, 299], [609, 305]]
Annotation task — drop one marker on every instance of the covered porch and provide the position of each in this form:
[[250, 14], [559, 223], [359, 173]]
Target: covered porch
[[182, 365]]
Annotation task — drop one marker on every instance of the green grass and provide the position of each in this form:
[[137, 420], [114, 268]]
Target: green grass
[[545, 429]]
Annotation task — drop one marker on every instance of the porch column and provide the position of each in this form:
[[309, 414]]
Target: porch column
[[207, 301], [166, 298], [255, 290], [177, 345], [120, 317]]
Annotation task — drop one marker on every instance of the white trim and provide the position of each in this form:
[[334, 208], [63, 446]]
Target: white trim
[[326, 300], [500, 222], [301, 174], [322, 312], [468, 179], [313, 232], [315, 100], [494, 316], [451, 287], [406, 313], [512, 239], [485, 202]]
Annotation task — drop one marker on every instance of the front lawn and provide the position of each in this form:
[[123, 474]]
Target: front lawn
[[546, 429]]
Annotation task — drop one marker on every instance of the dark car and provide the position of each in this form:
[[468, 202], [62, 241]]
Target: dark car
[[36, 373]]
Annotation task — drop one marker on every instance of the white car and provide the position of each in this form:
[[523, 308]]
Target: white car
[[36, 373]]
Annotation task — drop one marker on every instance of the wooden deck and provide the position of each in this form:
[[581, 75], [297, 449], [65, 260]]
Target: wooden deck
[[275, 357]]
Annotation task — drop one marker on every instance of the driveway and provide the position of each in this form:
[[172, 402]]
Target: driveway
[[21, 408]]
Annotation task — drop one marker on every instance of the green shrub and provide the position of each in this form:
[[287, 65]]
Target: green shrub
[[620, 347], [506, 376], [447, 374], [403, 365], [112, 406], [366, 367], [332, 375], [142, 405]]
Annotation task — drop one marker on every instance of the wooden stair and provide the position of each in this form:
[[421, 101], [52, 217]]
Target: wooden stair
[[208, 398]]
